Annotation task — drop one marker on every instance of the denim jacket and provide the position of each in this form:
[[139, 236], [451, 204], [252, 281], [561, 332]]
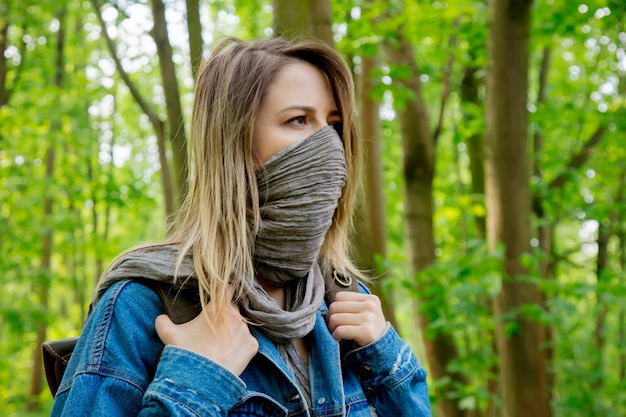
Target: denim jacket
[[120, 367]]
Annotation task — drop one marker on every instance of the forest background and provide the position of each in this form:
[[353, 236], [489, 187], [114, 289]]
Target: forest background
[[494, 205]]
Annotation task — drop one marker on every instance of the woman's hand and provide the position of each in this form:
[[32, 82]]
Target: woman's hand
[[228, 342], [355, 316]]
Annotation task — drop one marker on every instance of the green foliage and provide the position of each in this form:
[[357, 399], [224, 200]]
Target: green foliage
[[584, 91], [106, 194]]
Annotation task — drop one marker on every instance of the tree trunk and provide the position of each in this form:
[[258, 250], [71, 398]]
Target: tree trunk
[[158, 124], [194, 27], [372, 222], [5, 89], [4, 31], [604, 234], [322, 20], [621, 320], [176, 122], [476, 153], [418, 164], [605, 231], [303, 19], [476, 142], [292, 19], [545, 228], [42, 286], [522, 360]]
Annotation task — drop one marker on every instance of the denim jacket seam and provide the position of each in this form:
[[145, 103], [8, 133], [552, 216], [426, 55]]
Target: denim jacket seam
[[107, 372], [95, 365], [158, 393], [331, 411], [97, 353], [355, 398]]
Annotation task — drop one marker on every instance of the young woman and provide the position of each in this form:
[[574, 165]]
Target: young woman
[[285, 330]]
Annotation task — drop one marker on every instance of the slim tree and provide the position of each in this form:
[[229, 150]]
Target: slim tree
[[523, 378], [175, 119], [370, 222], [42, 288], [4, 31], [194, 27], [419, 143], [304, 18], [6, 87], [158, 124]]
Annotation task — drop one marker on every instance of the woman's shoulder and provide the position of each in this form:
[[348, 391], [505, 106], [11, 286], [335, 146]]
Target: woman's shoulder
[[130, 295], [119, 339], [127, 311]]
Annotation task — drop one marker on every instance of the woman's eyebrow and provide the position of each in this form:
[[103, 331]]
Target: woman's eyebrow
[[307, 109]]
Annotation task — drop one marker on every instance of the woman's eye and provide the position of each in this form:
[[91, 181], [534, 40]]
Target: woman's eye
[[300, 120]]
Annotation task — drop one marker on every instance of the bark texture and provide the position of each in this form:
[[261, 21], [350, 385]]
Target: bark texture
[[419, 167], [42, 285], [175, 119], [373, 213], [4, 31], [523, 378], [194, 27], [303, 19], [157, 123]]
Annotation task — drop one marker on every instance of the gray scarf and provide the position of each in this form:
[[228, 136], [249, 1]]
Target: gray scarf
[[299, 188], [298, 191]]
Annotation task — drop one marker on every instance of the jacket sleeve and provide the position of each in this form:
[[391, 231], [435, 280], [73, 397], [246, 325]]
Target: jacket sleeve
[[392, 378], [120, 367]]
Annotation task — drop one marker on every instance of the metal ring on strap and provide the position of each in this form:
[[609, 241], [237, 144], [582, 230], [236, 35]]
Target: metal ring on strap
[[344, 281]]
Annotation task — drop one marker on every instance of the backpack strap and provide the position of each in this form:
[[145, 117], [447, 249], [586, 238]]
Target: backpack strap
[[182, 304]]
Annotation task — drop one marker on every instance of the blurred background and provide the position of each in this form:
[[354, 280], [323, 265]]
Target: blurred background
[[493, 210]]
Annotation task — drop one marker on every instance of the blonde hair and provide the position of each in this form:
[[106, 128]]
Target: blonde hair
[[220, 217]]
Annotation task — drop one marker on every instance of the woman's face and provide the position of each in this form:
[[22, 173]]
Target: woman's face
[[297, 104]]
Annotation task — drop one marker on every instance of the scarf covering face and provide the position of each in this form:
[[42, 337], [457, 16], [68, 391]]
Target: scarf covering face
[[299, 188]]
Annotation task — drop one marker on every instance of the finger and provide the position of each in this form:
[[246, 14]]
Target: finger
[[351, 296], [362, 304], [362, 334], [345, 319], [353, 307], [348, 333], [371, 324]]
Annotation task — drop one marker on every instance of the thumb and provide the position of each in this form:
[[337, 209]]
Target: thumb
[[165, 328]]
